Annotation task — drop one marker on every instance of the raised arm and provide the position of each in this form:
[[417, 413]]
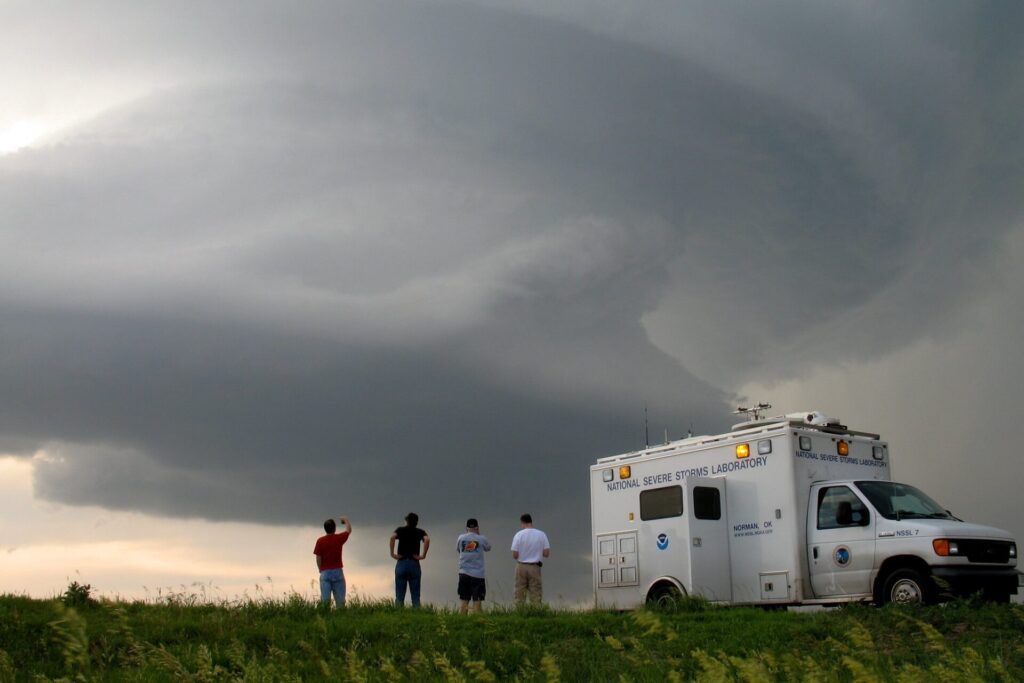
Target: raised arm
[[348, 525]]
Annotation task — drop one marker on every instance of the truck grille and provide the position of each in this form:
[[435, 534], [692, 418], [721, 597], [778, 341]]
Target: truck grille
[[984, 551]]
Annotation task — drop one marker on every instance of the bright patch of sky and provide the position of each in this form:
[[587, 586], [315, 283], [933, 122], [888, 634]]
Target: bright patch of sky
[[18, 134], [138, 556]]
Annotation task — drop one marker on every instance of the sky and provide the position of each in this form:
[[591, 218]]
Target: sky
[[264, 264]]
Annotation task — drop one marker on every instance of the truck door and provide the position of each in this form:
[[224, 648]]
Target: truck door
[[840, 541], [710, 572]]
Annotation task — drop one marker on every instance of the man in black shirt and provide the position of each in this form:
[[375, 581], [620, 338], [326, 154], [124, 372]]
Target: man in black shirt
[[408, 556]]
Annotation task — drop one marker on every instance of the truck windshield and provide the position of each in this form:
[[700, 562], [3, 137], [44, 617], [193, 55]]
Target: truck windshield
[[901, 501]]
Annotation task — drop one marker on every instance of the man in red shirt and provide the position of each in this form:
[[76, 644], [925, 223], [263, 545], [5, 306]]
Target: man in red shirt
[[328, 561]]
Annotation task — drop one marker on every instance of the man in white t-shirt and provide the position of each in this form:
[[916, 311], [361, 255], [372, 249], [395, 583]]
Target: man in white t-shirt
[[529, 548]]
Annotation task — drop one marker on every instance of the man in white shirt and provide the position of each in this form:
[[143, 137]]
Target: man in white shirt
[[529, 547]]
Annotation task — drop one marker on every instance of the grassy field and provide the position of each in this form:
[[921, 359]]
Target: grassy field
[[296, 640]]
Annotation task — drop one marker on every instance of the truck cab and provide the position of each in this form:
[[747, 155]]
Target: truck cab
[[890, 542]]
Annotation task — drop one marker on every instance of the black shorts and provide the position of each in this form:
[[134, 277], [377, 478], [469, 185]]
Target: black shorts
[[471, 587]]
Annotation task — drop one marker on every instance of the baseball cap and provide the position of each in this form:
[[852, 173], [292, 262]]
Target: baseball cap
[[471, 523]]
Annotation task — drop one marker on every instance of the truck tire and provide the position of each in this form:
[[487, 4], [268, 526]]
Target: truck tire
[[906, 587], [664, 596]]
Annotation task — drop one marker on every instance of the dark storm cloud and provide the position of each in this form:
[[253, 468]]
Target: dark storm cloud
[[293, 292], [870, 232], [411, 254], [215, 422]]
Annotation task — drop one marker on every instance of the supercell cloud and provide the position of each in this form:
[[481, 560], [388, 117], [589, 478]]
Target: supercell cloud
[[440, 255]]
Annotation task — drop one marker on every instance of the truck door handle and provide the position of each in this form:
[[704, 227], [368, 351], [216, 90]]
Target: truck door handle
[[815, 552]]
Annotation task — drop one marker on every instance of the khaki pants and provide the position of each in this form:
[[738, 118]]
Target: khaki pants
[[528, 581]]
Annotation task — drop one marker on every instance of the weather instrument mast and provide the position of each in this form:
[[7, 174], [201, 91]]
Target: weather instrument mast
[[753, 413]]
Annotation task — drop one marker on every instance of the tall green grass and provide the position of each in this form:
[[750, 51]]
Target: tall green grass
[[294, 639]]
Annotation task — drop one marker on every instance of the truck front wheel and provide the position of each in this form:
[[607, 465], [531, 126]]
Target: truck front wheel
[[906, 587]]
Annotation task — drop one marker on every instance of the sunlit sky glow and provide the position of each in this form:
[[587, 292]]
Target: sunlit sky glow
[[139, 556], [18, 134]]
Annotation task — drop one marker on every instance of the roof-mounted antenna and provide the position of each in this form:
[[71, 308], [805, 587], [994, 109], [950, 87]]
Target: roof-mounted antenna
[[753, 413], [647, 436], [689, 434]]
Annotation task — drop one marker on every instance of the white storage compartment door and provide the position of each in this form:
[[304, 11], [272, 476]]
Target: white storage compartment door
[[628, 575], [616, 560], [607, 561]]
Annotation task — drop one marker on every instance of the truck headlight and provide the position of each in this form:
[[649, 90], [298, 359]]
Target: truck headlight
[[945, 547], [1013, 550]]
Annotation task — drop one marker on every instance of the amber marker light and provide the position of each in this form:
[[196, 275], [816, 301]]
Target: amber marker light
[[625, 472], [944, 547], [843, 448], [742, 450]]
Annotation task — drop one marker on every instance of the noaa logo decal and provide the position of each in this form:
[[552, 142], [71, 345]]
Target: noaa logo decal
[[662, 541], [842, 556]]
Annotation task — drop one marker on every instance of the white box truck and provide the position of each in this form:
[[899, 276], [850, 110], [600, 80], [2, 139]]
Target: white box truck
[[788, 510]]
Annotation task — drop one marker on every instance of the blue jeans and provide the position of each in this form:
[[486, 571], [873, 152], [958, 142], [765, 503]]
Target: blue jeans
[[332, 581], [407, 572]]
